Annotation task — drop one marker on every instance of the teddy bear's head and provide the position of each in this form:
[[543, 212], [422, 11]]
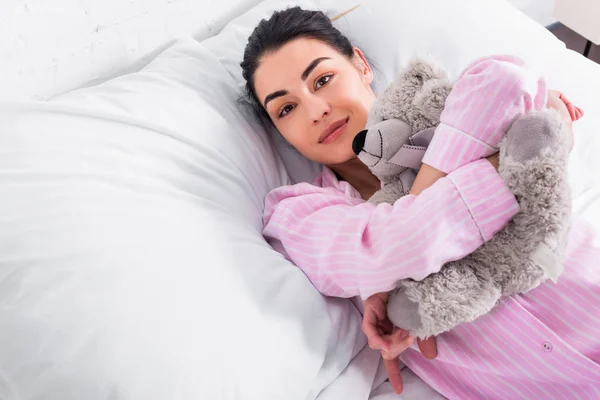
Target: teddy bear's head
[[400, 121]]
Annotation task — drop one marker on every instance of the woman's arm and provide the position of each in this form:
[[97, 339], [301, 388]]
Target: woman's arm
[[348, 247], [483, 103], [428, 175]]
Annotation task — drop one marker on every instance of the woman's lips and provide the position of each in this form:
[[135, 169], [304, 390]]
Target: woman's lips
[[336, 133]]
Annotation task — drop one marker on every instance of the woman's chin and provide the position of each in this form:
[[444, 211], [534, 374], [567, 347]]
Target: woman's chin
[[342, 159]]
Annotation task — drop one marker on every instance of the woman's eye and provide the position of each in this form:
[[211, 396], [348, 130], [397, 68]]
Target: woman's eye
[[285, 110], [322, 81]]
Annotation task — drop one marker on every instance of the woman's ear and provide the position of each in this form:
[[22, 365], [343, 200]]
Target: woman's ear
[[361, 63]]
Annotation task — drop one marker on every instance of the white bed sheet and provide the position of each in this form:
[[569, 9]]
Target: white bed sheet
[[366, 378]]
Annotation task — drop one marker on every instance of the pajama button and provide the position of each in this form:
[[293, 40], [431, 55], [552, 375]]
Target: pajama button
[[547, 347]]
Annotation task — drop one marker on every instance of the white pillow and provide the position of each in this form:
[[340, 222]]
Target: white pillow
[[132, 262]]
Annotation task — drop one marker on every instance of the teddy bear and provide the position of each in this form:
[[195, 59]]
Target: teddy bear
[[523, 254]]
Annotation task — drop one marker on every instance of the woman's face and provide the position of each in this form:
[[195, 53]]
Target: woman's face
[[317, 98]]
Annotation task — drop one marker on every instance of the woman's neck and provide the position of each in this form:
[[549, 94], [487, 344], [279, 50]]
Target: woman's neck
[[359, 176]]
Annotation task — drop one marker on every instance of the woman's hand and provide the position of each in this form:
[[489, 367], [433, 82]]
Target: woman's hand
[[567, 110], [390, 340], [563, 105]]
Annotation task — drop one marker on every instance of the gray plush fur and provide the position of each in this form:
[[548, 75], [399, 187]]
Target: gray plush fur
[[527, 252], [417, 97], [405, 113]]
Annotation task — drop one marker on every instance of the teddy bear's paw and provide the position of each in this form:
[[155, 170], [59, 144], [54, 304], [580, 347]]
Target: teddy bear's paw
[[533, 135], [403, 312], [533, 164], [461, 291]]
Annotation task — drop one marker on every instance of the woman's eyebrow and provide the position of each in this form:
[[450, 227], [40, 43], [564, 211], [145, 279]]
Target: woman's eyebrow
[[274, 95], [312, 66], [304, 75]]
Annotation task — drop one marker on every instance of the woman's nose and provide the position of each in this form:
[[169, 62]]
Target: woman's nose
[[318, 110]]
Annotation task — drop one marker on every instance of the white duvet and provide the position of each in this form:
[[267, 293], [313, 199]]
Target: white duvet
[[132, 264]]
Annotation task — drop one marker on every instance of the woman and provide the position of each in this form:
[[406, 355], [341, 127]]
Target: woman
[[306, 79]]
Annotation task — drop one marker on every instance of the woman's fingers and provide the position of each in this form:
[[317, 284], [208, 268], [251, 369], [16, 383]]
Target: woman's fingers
[[392, 341], [560, 102], [428, 347], [397, 348], [574, 111], [370, 328], [398, 335], [375, 322], [378, 304], [386, 326], [394, 374], [555, 102], [400, 341]]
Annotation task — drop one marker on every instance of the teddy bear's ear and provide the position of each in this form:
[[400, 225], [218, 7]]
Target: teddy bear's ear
[[420, 71], [431, 99], [414, 96]]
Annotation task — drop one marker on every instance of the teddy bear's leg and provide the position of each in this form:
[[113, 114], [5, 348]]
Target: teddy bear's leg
[[457, 293], [404, 312], [533, 163]]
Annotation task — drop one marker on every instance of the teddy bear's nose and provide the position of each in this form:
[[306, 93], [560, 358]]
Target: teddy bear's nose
[[359, 141]]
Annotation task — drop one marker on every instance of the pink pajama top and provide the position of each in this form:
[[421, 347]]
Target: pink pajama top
[[540, 345]]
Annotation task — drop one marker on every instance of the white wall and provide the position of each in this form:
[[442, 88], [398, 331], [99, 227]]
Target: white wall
[[52, 46], [539, 10]]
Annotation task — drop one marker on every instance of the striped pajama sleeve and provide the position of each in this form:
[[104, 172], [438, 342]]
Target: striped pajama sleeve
[[485, 100], [350, 247]]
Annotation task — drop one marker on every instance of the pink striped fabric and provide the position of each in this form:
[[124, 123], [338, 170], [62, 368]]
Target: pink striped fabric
[[541, 345], [350, 247], [471, 118]]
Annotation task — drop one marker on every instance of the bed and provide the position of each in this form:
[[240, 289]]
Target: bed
[[131, 189]]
